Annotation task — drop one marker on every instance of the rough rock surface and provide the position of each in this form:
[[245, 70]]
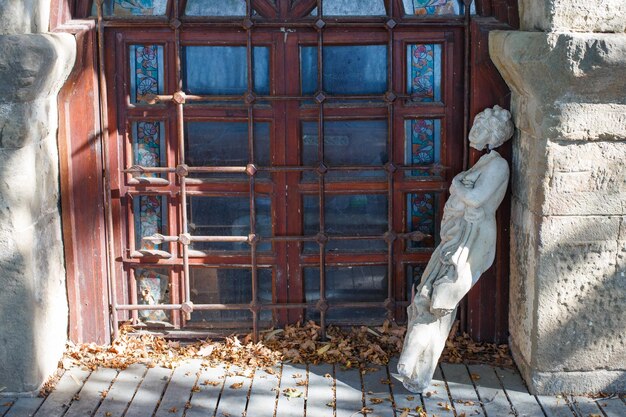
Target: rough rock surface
[[568, 223], [33, 300], [573, 15]]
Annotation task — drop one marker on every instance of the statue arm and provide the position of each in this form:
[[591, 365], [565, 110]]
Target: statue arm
[[494, 176]]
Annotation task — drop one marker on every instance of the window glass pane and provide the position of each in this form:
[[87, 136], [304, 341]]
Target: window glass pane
[[424, 72], [354, 283], [228, 286], [353, 69], [354, 8], [216, 8], [153, 288], [228, 216], [422, 144], [346, 142], [150, 212], [131, 8], [149, 145], [421, 217], [432, 7], [222, 70], [347, 215], [225, 144], [146, 71]]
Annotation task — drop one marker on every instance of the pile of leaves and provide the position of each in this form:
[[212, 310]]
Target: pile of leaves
[[303, 344], [460, 348], [299, 343]]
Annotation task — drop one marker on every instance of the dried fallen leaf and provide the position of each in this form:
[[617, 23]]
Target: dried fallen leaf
[[301, 382], [236, 385], [173, 410], [292, 393], [375, 400], [475, 377], [8, 404], [405, 413]]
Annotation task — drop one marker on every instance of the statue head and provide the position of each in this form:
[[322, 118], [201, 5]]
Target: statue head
[[492, 127]]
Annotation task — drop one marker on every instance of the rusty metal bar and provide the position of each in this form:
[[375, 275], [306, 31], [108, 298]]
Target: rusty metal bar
[[108, 212], [389, 305], [262, 306], [191, 22], [179, 98], [252, 237]]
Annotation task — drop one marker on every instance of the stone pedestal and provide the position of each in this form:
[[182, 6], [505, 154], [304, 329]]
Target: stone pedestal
[[33, 300], [568, 232]]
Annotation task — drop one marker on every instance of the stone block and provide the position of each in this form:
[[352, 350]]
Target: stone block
[[524, 231], [573, 15], [33, 65], [24, 16], [33, 303], [528, 171], [588, 122], [585, 178], [580, 306], [562, 66]]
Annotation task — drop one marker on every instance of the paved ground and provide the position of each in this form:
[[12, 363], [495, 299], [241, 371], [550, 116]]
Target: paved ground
[[294, 390]]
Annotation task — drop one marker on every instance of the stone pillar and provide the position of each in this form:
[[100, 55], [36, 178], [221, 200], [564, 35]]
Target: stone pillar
[[568, 233], [33, 298]]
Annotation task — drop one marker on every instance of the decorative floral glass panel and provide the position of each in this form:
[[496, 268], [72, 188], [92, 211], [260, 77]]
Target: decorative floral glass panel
[[131, 8], [228, 286], [228, 216], [146, 71], [348, 69], [433, 7], [150, 213], [152, 289], [216, 8], [422, 143], [424, 72], [352, 283], [149, 145], [352, 8], [223, 70], [421, 215], [413, 277]]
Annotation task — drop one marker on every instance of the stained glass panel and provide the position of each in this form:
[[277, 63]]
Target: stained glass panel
[[149, 145], [413, 277], [432, 7], [152, 289], [223, 70], [150, 218], [216, 8], [424, 72], [421, 214], [146, 71], [348, 69], [124, 8], [422, 143], [353, 283]]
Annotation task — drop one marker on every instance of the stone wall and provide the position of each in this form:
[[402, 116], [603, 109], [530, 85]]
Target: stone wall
[[568, 231], [33, 300]]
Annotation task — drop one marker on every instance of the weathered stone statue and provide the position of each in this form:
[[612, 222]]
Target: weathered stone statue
[[467, 249]]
